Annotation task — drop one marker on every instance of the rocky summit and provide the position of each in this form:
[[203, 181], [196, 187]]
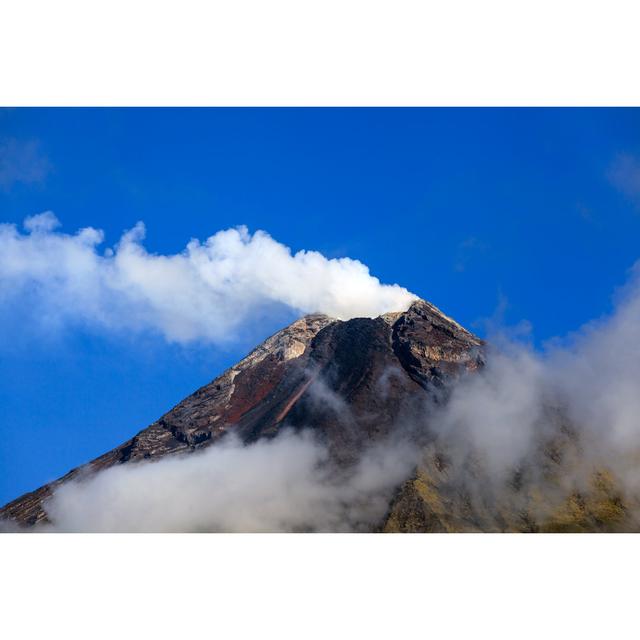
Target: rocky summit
[[377, 377]]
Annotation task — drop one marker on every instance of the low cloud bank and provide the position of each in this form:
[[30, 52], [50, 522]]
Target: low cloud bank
[[284, 484], [287, 483], [207, 292], [22, 161]]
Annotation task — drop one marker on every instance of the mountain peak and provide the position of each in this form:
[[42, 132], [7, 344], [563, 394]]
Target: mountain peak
[[377, 368]]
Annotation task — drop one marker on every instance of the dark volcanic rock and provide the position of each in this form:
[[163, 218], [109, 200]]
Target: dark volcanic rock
[[351, 381], [428, 345]]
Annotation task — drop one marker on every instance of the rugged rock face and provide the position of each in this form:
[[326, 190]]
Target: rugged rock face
[[365, 373]]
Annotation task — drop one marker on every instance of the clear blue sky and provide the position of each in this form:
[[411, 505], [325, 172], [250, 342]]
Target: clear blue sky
[[465, 207]]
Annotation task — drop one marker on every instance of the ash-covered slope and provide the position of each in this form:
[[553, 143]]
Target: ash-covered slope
[[353, 382]]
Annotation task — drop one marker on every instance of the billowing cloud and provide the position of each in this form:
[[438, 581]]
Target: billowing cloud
[[206, 292], [466, 251], [22, 162]]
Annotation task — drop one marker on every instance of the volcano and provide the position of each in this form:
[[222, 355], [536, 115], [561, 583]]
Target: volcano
[[384, 372]]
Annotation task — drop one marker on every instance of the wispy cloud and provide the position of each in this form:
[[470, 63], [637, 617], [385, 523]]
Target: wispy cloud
[[22, 161], [465, 252], [624, 174]]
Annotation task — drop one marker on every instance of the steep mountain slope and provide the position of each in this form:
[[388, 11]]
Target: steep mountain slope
[[437, 499], [363, 382], [350, 381]]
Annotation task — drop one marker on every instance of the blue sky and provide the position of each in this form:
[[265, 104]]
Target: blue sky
[[534, 211]]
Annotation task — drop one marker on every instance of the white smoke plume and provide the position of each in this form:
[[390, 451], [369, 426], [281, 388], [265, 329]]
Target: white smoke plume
[[284, 484], [206, 292]]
